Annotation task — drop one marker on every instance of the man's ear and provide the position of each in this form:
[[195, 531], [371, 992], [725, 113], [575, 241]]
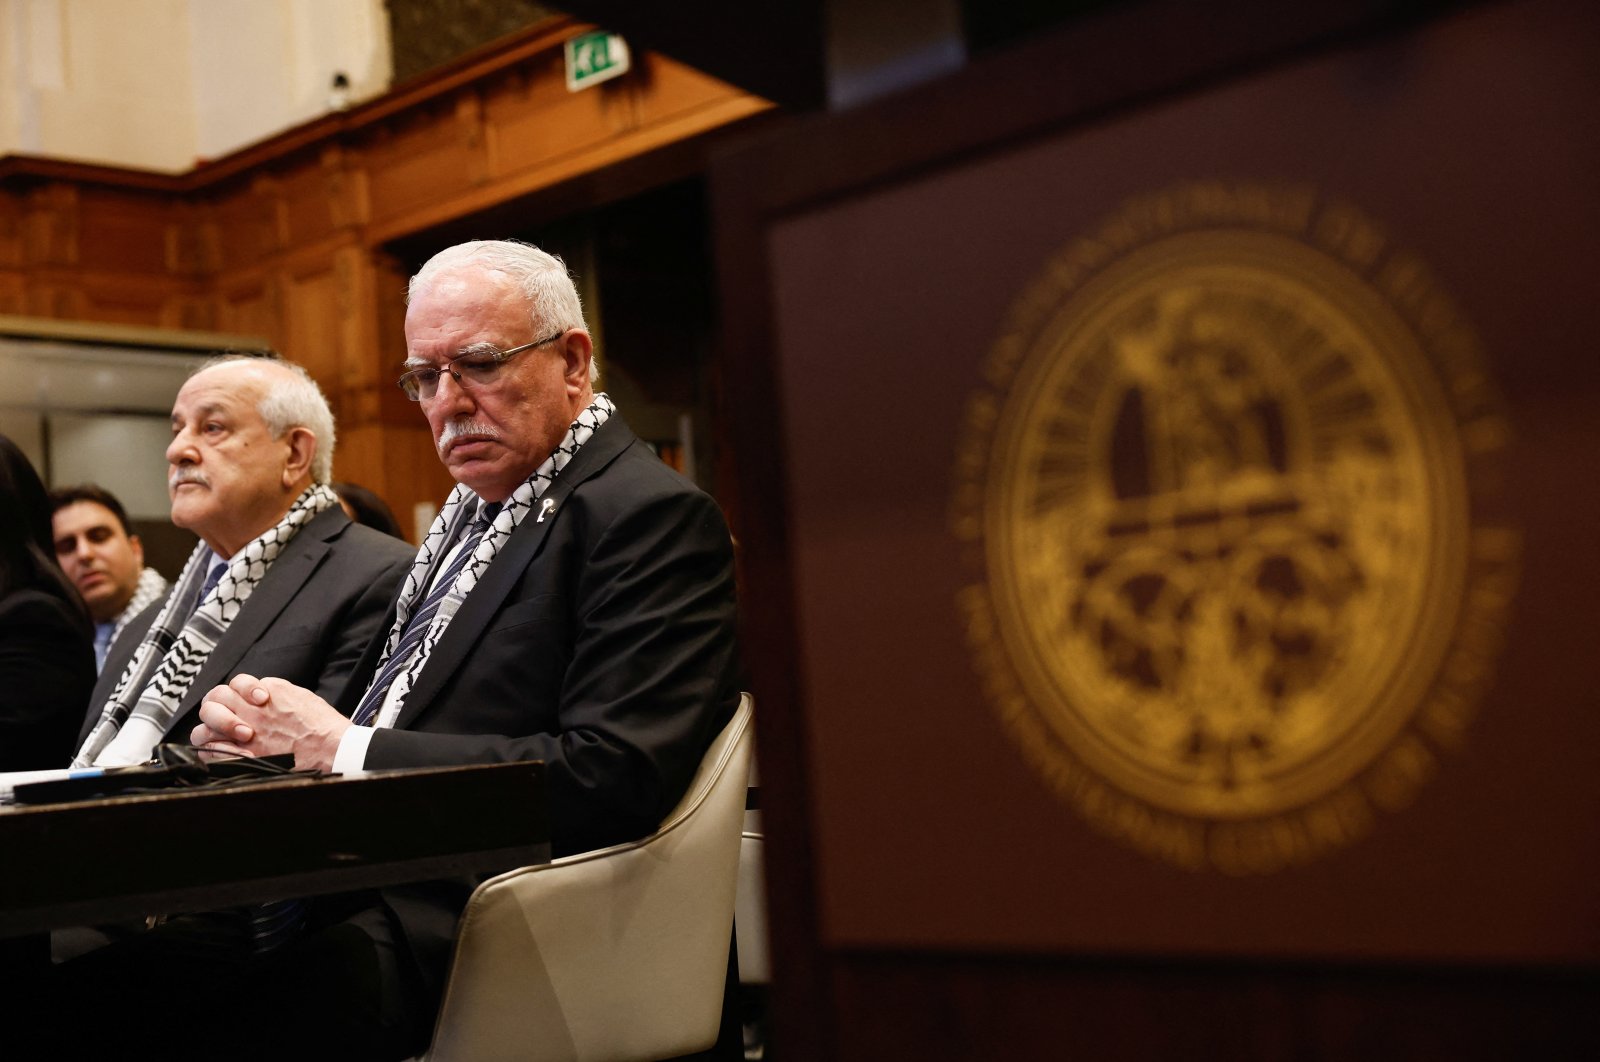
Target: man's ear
[[578, 351], [138, 550], [302, 448]]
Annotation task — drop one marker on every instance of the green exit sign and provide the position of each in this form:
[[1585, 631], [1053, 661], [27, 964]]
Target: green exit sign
[[593, 58]]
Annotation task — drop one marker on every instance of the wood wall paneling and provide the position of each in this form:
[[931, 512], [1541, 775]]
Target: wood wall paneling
[[190, 252], [387, 281], [194, 312], [531, 135], [244, 226], [398, 463], [348, 204], [415, 164], [247, 307], [360, 352], [311, 323], [665, 90], [287, 239], [50, 228], [46, 299], [535, 120], [310, 199], [11, 215], [12, 257], [95, 253], [128, 234], [12, 296], [131, 300]]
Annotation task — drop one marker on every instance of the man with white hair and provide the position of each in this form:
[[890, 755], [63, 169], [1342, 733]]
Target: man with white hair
[[573, 603], [282, 582]]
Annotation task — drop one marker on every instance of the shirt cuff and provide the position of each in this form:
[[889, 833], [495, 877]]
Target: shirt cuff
[[351, 756]]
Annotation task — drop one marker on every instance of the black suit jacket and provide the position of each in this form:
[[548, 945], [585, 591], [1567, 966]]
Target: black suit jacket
[[46, 670], [308, 620], [601, 641]]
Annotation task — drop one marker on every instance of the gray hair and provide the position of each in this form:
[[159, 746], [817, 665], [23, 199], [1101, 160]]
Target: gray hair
[[541, 277], [292, 400]]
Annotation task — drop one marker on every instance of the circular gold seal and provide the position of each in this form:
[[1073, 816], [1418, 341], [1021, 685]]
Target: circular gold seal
[[1228, 498]]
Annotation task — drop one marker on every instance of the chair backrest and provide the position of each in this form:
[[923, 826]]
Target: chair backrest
[[750, 903], [750, 911], [617, 954]]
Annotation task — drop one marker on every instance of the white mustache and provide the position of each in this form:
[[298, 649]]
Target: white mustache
[[186, 475], [455, 429]]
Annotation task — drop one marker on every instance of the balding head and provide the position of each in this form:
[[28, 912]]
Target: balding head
[[247, 441]]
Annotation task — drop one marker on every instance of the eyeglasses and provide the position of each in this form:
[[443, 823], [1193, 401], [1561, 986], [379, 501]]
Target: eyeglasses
[[475, 369]]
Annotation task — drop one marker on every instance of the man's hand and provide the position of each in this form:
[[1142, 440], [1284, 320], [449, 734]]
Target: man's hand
[[265, 717]]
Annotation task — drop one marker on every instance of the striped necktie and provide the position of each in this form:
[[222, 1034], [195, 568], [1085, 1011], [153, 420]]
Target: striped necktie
[[274, 924], [417, 624]]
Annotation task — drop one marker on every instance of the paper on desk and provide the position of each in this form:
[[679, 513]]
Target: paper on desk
[[9, 780]]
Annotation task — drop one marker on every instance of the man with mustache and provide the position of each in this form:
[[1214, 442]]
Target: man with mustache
[[98, 550], [281, 581], [573, 603]]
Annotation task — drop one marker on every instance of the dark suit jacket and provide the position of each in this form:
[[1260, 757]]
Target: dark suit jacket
[[601, 641], [46, 670], [308, 621]]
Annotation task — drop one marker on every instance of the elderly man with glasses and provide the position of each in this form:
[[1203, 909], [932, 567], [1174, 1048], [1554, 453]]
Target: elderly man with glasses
[[573, 603]]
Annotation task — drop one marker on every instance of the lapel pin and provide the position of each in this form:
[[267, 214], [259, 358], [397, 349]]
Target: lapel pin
[[545, 508]]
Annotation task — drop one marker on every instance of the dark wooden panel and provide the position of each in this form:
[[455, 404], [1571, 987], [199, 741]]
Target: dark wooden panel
[[311, 325], [532, 118], [315, 201], [919, 283], [867, 262], [246, 226], [948, 1008], [419, 161], [126, 233]]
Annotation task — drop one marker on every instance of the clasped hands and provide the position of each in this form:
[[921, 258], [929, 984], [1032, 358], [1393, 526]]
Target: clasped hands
[[267, 717]]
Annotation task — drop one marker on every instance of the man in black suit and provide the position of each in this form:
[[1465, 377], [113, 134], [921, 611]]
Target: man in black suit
[[574, 603], [282, 582]]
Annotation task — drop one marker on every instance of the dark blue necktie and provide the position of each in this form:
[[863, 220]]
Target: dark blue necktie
[[213, 577], [417, 624]]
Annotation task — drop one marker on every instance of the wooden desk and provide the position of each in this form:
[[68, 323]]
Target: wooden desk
[[186, 850]]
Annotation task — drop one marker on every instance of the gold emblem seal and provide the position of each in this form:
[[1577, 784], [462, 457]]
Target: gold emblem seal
[[1229, 495]]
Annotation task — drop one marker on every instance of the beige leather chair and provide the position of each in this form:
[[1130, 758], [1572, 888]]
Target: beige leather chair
[[750, 923], [750, 902], [616, 954]]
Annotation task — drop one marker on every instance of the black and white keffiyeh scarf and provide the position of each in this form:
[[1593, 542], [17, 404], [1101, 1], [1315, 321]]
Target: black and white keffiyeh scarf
[[459, 511], [150, 692], [146, 592]]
